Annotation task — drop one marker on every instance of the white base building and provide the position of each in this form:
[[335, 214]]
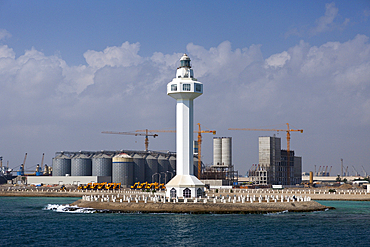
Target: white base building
[[185, 186]]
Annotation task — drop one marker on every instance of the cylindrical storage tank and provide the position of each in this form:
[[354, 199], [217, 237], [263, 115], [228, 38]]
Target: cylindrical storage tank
[[226, 151], [139, 168], [311, 177], [172, 167], [102, 165], [151, 168], [61, 165], [217, 151], [123, 170], [81, 165], [163, 164]]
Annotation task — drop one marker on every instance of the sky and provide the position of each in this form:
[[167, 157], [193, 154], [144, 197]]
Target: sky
[[72, 69]]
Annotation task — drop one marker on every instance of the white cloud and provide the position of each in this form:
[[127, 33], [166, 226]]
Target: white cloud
[[319, 88], [221, 62], [4, 34], [329, 22], [277, 60], [126, 55], [6, 52], [324, 23]]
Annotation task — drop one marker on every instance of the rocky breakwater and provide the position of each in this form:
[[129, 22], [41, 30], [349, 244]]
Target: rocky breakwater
[[229, 205]]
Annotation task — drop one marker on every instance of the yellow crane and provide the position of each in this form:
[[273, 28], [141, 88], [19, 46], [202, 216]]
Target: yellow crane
[[199, 146], [288, 130], [199, 131], [134, 134]]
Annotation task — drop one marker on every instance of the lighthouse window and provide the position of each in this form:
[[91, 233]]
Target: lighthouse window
[[199, 192], [173, 193], [186, 87], [173, 87], [186, 193], [198, 87], [185, 63]]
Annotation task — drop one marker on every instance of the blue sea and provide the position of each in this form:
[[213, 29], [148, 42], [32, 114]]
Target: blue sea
[[39, 221]]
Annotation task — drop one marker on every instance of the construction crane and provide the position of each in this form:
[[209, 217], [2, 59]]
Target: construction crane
[[326, 169], [134, 134], [365, 173], [199, 146], [42, 159], [23, 167], [288, 130], [199, 131], [357, 174], [24, 161]]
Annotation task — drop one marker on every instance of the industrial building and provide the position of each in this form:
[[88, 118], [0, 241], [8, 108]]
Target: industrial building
[[273, 164], [123, 166], [221, 173]]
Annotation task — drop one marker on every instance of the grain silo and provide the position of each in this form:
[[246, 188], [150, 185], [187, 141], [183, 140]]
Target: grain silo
[[61, 165], [102, 165], [172, 167], [163, 164], [151, 168], [81, 165], [139, 168], [123, 170]]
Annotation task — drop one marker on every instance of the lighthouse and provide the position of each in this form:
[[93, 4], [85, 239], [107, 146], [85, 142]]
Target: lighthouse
[[184, 88]]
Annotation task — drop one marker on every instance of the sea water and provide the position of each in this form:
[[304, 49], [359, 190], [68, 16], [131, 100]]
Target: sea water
[[43, 221]]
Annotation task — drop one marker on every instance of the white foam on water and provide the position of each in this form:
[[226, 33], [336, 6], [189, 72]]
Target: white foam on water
[[282, 212], [69, 209]]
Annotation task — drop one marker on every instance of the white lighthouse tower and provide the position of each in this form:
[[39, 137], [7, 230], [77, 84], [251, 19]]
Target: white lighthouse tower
[[184, 88]]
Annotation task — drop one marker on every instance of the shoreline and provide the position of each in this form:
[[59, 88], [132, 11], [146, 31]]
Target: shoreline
[[314, 194], [226, 201], [130, 202]]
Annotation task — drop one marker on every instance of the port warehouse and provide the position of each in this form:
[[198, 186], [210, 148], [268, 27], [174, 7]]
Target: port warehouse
[[123, 166]]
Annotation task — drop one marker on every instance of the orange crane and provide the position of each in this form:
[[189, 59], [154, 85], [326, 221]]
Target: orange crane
[[134, 134], [199, 131], [288, 130], [199, 146]]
